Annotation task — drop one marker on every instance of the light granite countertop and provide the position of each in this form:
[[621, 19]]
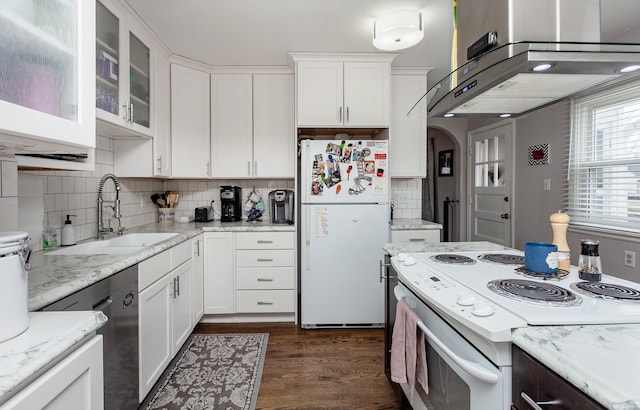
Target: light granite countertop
[[406, 224], [49, 336], [601, 360], [413, 247], [53, 277]]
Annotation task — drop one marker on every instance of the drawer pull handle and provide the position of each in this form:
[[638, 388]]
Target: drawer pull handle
[[536, 404], [265, 279], [264, 241], [265, 259], [416, 239], [265, 303]]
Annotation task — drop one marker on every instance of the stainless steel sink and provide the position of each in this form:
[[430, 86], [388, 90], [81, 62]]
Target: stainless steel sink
[[129, 243]]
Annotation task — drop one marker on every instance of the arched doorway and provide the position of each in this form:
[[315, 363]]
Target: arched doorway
[[441, 189]]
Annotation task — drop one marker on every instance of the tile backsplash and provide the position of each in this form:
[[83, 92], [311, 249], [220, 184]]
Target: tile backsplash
[[406, 197], [75, 193]]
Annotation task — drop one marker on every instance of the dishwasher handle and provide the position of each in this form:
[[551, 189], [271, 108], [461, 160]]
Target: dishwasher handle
[[101, 305], [474, 369]]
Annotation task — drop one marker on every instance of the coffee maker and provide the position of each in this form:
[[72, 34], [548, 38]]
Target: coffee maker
[[281, 206], [230, 197]]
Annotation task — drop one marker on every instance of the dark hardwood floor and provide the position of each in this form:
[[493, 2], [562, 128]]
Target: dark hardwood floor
[[319, 369]]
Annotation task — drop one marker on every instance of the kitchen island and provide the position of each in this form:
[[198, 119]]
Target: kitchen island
[[603, 361], [49, 338]]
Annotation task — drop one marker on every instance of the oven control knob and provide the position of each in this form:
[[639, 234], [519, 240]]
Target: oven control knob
[[483, 309], [409, 260], [466, 299]]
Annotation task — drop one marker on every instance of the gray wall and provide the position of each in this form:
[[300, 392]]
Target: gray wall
[[532, 204], [456, 129]]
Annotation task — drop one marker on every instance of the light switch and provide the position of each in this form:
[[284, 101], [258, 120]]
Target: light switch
[[547, 184]]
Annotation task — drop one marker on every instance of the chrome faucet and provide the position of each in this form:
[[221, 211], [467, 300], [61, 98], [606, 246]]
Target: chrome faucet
[[115, 205]]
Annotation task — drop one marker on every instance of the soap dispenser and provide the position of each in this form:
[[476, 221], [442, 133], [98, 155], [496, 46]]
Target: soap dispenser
[[68, 234]]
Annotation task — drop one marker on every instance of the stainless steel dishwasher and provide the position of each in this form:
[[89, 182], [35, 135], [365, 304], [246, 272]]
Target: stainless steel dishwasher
[[117, 297]]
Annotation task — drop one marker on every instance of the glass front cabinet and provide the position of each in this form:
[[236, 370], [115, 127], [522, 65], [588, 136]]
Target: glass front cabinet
[[123, 73], [46, 74]]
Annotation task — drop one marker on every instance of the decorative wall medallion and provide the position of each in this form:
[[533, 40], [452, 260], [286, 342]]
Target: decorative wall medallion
[[539, 154]]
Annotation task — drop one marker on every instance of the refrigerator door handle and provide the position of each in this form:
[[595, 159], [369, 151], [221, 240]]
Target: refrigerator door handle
[[382, 275], [307, 237]]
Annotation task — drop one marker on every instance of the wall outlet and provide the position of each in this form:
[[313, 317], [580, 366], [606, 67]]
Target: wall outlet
[[630, 259], [547, 184]]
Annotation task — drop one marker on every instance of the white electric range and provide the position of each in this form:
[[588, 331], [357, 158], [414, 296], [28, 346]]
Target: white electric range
[[468, 308]]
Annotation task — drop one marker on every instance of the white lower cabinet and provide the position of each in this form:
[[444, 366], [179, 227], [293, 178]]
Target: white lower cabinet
[[165, 311], [155, 332], [219, 284], [415, 235], [250, 275], [76, 382], [197, 288], [265, 272]]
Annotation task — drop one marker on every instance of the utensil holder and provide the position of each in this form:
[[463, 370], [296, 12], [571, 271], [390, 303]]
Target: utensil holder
[[166, 215]]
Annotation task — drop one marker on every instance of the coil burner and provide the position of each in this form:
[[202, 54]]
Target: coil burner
[[561, 274], [502, 258], [538, 293], [453, 259], [607, 291]]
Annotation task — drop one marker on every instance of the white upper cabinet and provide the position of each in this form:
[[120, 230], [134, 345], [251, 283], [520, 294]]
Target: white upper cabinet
[[252, 125], [123, 73], [231, 125], [190, 140], [46, 77], [273, 126], [162, 115], [407, 135], [143, 157], [342, 90]]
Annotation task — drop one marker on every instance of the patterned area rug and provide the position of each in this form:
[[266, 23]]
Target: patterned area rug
[[212, 372]]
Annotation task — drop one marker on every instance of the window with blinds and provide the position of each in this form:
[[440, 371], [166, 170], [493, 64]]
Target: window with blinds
[[604, 160]]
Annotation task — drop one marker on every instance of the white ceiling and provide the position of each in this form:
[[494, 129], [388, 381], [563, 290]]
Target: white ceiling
[[262, 32]]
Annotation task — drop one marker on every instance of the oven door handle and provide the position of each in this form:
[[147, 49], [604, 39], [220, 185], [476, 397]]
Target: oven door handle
[[474, 369]]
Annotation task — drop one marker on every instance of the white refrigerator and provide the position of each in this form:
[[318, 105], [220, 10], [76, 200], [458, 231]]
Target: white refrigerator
[[344, 224]]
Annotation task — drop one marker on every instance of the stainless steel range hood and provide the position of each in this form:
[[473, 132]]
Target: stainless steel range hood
[[504, 80]]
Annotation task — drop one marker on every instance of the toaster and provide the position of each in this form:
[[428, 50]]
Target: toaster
[[203, 214]]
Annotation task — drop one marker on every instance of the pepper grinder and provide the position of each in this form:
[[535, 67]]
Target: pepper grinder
[[589, 264], [559, 225]]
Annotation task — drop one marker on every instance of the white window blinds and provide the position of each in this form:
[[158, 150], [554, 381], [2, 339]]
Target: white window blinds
[[604, 160]]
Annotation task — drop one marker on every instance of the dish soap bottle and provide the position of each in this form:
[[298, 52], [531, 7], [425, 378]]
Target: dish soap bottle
[[68, 234], [559, 225], [49, 238]]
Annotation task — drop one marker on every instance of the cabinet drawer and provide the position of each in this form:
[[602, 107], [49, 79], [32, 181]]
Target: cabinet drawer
[[265, 240], [180, 254], [268, 257], [415, 235], [265, 278], [264, 301], [152, 269]]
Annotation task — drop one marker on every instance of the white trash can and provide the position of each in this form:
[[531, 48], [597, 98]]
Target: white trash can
[[14, 288]]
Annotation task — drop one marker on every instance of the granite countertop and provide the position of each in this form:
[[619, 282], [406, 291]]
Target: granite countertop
[[53, 277], [49, 336], [413, 247], [413, 224], [601, 360]]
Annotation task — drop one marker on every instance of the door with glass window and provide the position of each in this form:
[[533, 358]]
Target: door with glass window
[[490, 183]]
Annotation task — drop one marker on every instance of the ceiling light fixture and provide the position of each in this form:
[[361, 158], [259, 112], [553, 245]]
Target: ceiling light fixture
[[398, 30]]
